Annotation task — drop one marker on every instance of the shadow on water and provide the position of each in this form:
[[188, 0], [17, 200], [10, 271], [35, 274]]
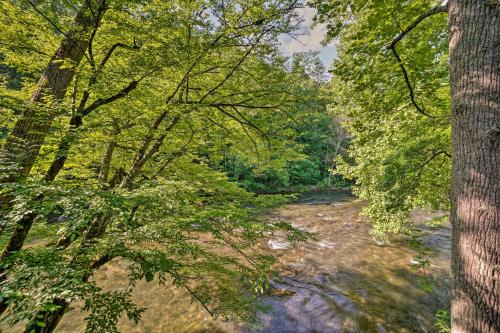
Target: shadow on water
[[351, 300]]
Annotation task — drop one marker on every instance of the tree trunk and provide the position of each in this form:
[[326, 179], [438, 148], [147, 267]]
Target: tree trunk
[[61, 155], [50, 318], [16, 241], [23, 144], [63, 149], [474, 28], [106, 163], [27, 136]]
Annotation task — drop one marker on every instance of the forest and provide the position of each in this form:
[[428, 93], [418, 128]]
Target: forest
[[196, 166]]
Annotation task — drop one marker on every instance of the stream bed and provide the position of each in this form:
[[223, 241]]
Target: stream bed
[[343, 282]]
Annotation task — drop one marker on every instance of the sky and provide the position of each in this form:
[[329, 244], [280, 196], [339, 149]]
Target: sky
[[309, 38]]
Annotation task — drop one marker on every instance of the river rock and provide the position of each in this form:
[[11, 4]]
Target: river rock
[[278, 244]]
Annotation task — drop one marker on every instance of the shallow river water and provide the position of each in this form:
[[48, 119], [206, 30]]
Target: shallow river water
[[344, 282]]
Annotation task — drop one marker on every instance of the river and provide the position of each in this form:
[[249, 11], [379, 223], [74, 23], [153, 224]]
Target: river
[[343, 282]]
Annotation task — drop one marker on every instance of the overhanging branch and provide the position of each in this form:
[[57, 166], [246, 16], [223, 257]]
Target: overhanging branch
[[432, 11], [399, 37], [103, 101]]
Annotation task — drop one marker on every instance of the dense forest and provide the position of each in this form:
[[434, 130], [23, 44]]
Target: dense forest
[[160, 135]]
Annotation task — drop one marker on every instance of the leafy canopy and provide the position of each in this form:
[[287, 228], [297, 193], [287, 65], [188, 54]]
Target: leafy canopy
[[400, 157]]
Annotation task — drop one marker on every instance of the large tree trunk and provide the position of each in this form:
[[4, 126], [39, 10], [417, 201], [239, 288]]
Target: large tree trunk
[[23, 144], [474, 28], [29, 132]]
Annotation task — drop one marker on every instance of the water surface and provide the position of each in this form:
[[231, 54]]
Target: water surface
[[344, 282]]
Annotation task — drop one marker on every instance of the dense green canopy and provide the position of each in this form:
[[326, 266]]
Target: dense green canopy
[[133, 162], [400, 150]]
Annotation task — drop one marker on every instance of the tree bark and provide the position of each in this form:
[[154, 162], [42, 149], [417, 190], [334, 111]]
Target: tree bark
[[23, 144], [106, 163], [474, 28], [61, 154], [16, 241]]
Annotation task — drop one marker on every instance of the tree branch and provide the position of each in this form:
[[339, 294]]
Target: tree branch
[[234, 68], [103, 101], [97, 18], [143, 154], [236, 104], [178, 153], [110, 53], [399, 37], [432, 11]]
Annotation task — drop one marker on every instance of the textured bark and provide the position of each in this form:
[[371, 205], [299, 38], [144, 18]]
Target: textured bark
[[61, 154], [16, 241], [106, 163], [23, 144], [28, 134], [474, 28]]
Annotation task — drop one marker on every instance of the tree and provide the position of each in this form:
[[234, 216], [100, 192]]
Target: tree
[[22, 146], [401, 133], [312, 132], [474, 29], [30, 130], [131, 163]]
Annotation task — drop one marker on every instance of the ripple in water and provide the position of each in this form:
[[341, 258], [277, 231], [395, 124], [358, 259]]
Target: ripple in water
[[344, 282]]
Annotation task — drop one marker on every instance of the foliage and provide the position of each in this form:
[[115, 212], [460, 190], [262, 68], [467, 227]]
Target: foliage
[[400, 157], [421, 261], [443, 321], [161, 238], [316, 139], [166, 91], [106, 308]]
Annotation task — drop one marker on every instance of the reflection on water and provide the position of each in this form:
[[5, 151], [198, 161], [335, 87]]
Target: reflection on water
[[344, 282]]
